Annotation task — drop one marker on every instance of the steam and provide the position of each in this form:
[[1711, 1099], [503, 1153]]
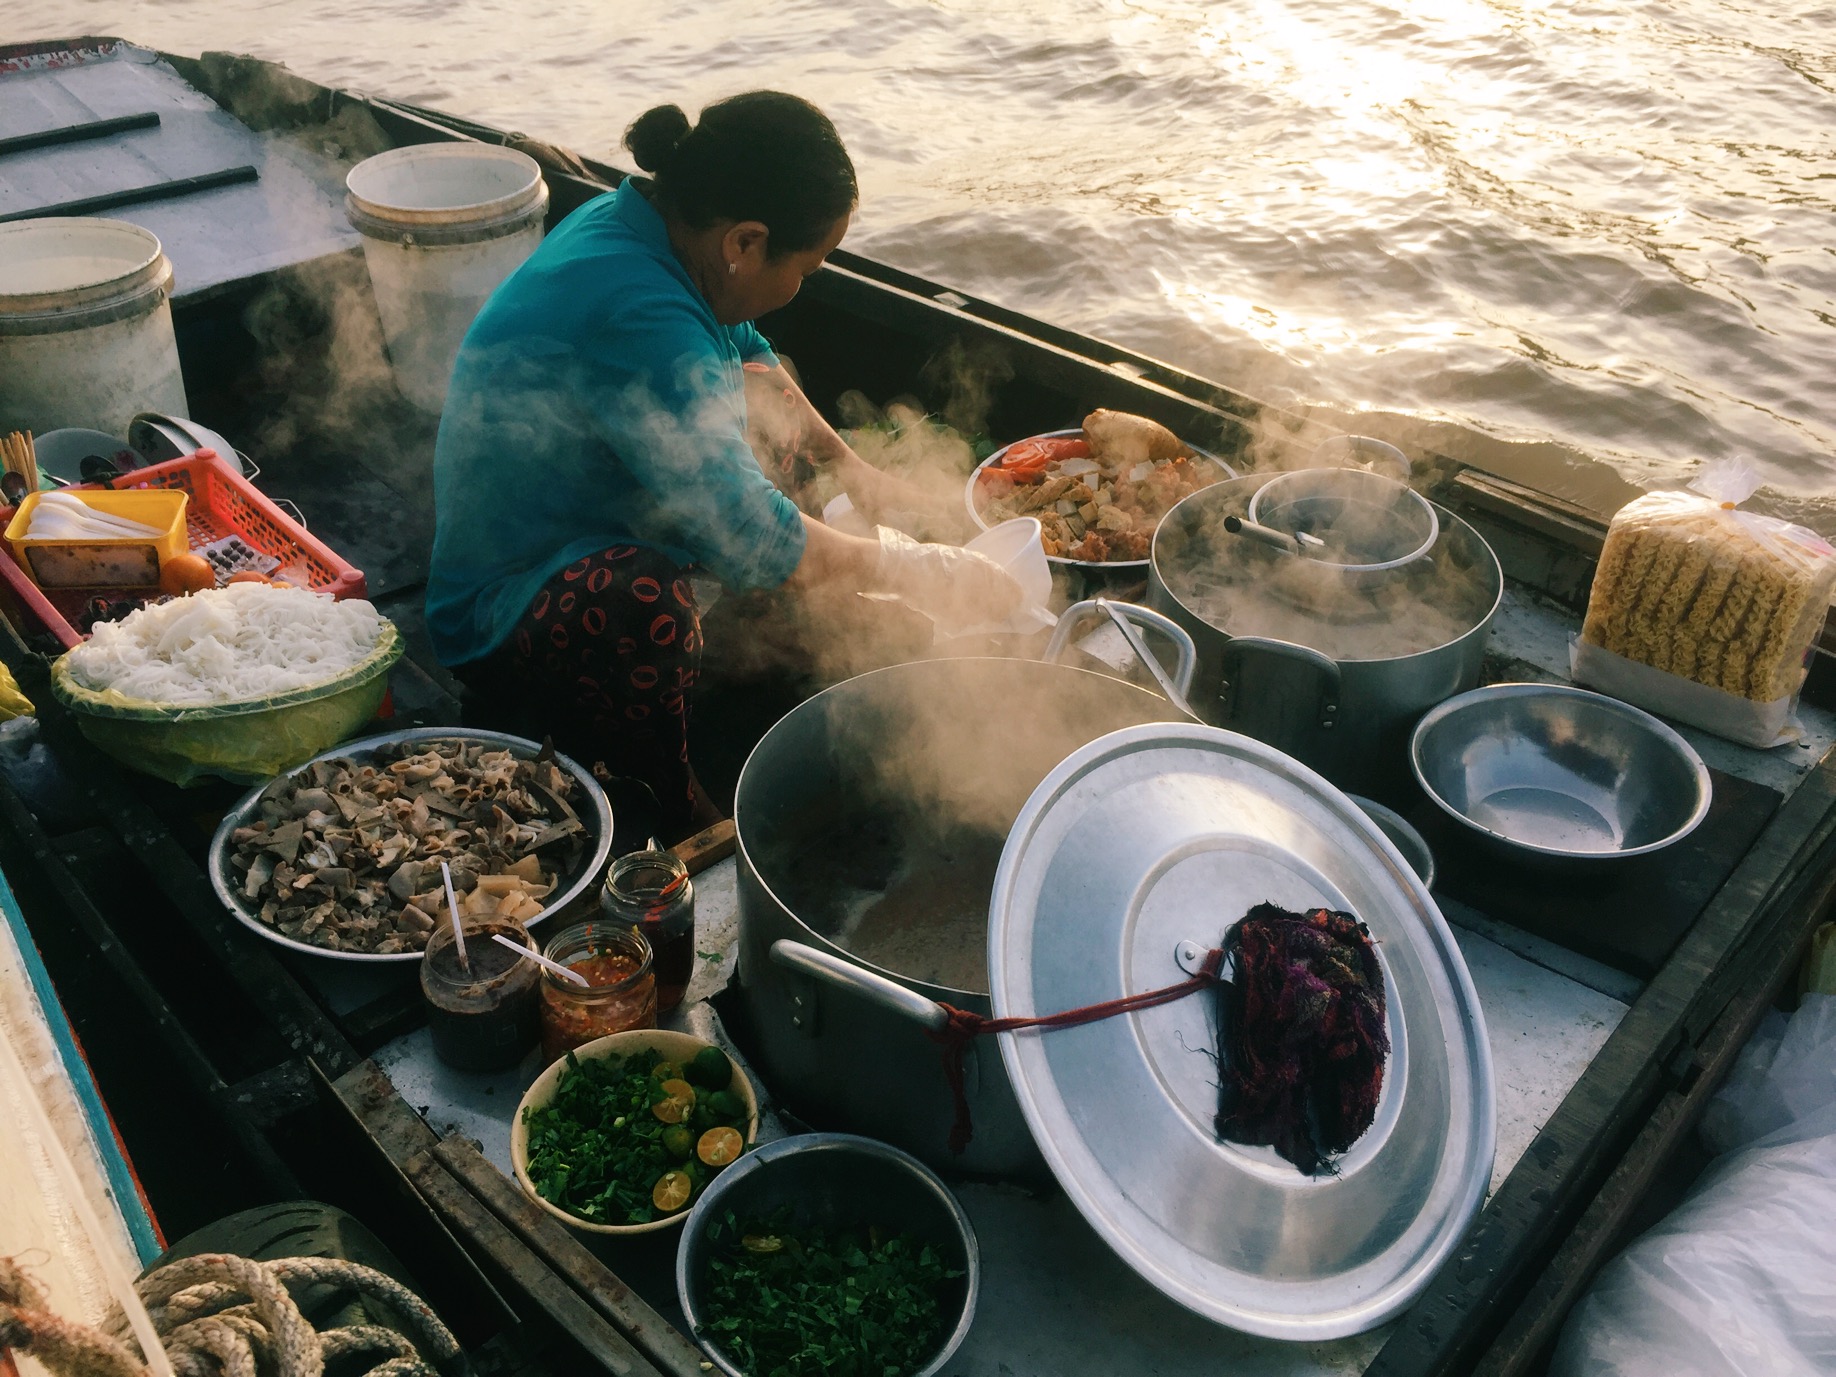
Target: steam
[[920, 775], [1246, 589]]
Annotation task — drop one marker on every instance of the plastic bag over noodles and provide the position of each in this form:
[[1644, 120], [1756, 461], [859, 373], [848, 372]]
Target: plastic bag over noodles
[[1713, 599]]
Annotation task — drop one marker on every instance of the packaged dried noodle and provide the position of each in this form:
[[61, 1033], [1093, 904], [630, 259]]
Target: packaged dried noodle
[[1723, 605]]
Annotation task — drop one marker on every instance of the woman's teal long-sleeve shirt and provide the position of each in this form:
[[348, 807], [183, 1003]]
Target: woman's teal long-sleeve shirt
[[596, 401]]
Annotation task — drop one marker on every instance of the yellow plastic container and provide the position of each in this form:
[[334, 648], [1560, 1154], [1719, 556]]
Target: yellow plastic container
[[131, 562]]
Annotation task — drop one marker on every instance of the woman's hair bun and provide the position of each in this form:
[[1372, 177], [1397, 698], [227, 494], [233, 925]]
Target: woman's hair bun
[[655, 135]]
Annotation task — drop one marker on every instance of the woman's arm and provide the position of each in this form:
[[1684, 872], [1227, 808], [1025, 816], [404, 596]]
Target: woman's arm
[[786, 420]]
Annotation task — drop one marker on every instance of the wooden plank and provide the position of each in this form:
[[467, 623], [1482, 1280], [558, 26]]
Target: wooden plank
[[708, 847], [1632, 917], [1522, 1225], [187, 1058], [660, 1341], [558, 1301], [396, 1134], [1521, 1347]]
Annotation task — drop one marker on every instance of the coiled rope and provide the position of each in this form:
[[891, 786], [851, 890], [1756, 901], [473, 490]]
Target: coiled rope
[[218, 1315]]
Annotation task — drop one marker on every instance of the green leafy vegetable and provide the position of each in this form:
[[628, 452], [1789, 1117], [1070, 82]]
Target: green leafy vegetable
[[597, 1150], [785, 1302]]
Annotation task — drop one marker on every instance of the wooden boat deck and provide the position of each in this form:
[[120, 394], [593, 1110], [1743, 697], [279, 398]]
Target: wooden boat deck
[[240, 1074]]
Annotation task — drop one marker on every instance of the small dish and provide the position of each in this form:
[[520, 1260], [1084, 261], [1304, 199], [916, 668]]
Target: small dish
[[677, 1047]]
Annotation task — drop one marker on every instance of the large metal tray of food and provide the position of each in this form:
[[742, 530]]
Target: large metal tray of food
[[515, 808]]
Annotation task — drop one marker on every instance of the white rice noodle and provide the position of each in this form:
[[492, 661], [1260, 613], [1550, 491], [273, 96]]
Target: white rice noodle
[[227, 645]]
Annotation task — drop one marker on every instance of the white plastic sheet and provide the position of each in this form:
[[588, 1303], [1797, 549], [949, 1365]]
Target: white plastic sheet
[[1740, 1279]]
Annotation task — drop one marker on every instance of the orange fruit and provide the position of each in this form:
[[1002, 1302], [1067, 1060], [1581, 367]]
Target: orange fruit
[[677, 1104], [720, 1146], [672, 1191], [186, 573], [248, 576]]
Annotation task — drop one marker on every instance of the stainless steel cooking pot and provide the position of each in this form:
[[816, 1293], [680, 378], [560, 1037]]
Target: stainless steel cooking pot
[[1334, 672], [871, 819]]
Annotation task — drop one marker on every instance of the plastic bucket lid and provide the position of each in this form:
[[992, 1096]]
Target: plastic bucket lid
[[451, 193], [67, 273]]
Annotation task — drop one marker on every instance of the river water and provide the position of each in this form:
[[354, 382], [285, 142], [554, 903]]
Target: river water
[[1593, 233]]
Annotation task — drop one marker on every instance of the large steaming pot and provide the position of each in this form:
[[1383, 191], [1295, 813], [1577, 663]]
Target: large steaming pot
[[900, 783], [1334, 672]]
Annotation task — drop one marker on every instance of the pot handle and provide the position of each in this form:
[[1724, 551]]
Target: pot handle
[[1131, 619], [843, 974], [1324, 712]]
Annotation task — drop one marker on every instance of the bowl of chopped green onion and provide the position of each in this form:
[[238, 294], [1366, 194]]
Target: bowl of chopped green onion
[[828, 1254], [622, 1135]]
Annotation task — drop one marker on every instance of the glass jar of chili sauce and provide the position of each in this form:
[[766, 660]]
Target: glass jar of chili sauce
[[620, 993], [651, 891], [482, 1011]]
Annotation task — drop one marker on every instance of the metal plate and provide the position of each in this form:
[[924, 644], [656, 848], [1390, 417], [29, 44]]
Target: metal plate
[[1165, 834], [975, 513], [593, 810]]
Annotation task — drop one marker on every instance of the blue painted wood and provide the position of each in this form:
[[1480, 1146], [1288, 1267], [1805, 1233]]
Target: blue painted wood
[[121, 1182]]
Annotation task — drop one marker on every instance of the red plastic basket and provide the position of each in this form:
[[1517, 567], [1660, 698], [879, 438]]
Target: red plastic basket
[[223, 503]]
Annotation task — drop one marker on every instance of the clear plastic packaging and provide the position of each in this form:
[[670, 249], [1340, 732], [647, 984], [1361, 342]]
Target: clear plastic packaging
[[1740, 1279], [1705, 613]]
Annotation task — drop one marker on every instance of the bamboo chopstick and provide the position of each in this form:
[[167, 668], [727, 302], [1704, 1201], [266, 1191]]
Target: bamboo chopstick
[[21, 457]]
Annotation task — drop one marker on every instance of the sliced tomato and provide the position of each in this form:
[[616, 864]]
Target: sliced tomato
[[1027, 454], [1065, 447]]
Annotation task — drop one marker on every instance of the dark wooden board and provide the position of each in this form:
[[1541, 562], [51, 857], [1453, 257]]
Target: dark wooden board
[[1630, 916], [1608, 1222], [1527, 1218], [557, 1245]]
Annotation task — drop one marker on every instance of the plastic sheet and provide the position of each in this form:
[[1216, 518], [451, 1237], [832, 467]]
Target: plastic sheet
[[1740, 1279], [1718, 606]]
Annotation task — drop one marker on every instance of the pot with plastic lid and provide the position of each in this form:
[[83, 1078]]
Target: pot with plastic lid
[[870, 821], [1334, 671]]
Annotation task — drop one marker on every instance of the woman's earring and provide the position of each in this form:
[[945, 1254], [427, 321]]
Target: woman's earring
[[732, 268]]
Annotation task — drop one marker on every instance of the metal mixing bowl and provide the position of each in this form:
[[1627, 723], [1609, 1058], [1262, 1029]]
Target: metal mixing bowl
[[1556, 776], [1363, 522], [831, 1180]]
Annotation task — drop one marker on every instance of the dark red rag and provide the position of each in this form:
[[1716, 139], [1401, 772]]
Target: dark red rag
[[1302, 1034]]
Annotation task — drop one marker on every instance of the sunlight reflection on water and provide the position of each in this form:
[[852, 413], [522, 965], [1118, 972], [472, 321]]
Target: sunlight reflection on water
[[1607, 225]]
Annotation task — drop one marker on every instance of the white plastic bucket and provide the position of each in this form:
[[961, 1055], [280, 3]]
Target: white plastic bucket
[[443, 224], [85, 326]]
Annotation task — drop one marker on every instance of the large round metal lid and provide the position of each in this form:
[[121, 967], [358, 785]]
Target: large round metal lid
[[1164, 835]]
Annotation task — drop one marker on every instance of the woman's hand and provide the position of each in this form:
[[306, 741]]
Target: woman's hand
[[958, 589]]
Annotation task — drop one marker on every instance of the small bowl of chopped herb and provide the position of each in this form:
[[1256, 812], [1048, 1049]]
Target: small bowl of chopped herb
[[828, 1254], [622, 1135]]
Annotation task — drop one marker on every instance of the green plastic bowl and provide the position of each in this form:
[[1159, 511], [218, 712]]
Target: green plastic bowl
[[247, 742]]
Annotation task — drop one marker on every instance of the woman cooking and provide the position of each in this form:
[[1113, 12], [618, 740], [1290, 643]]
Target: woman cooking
[[593, 453]]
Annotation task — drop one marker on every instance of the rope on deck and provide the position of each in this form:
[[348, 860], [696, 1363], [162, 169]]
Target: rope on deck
[[218, 1315]]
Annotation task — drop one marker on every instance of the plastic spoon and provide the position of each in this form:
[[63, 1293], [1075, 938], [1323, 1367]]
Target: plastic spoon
[[452, 907], [565, 972]]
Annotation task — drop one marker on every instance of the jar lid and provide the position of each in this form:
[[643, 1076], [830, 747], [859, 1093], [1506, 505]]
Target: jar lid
[[1155, 839]]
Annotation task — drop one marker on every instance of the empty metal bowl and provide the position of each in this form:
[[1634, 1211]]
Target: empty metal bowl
[[1552, 775], [833, 1180], [1362, 521]]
